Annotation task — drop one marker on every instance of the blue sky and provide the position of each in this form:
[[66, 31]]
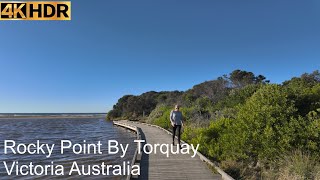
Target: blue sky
[[116, 47]]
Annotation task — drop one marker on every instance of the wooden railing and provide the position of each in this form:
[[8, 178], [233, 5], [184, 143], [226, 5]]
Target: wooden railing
[[132, 128]]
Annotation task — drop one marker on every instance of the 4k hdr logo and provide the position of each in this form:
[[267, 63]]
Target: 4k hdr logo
[[37, 10]]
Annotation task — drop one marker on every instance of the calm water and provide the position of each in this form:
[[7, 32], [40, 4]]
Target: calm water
[[52, 131]]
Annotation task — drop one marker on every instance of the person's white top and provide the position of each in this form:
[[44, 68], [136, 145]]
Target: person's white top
[[176, 117]]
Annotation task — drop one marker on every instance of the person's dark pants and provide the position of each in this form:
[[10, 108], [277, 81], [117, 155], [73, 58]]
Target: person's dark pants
[[174, 128]]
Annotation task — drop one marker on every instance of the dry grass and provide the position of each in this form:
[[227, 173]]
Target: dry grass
[[295, 166], [240, 170]]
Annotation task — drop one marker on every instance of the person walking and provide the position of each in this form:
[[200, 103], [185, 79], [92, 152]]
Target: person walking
[[176, 122]]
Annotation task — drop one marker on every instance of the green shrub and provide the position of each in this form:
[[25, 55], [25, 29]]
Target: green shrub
[[162, 117], [264, 124]]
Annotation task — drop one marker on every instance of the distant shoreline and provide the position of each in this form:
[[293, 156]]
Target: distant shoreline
[[52, 117]]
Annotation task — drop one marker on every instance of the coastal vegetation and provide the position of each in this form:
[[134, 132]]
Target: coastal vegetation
[[253, 128]]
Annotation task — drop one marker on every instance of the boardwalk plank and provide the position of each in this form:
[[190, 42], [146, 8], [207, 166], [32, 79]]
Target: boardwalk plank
[[176, 167]]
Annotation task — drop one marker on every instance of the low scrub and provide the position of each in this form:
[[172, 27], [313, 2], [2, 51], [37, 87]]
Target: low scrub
[[294, 166]]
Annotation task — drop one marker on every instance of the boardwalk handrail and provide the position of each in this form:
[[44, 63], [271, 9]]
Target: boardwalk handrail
[[136, 129], [223, 174]]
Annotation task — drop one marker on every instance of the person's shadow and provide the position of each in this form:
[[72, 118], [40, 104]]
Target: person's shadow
[[143, 160]]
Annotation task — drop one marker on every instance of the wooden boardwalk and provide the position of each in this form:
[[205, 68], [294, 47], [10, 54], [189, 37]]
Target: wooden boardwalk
[[177, 166]]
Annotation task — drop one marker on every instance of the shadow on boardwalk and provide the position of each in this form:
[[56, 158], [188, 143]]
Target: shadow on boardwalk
[[176, 167], [144, 162]]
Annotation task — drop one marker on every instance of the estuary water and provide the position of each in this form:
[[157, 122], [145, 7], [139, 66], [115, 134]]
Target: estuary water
[[52, 131]]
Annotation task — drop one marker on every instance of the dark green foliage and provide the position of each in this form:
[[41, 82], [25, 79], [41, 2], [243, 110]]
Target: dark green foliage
[[305, 91], [202, 96], [242, 121], [213, 90], [241, 78], [237, 97], [134, 107]]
